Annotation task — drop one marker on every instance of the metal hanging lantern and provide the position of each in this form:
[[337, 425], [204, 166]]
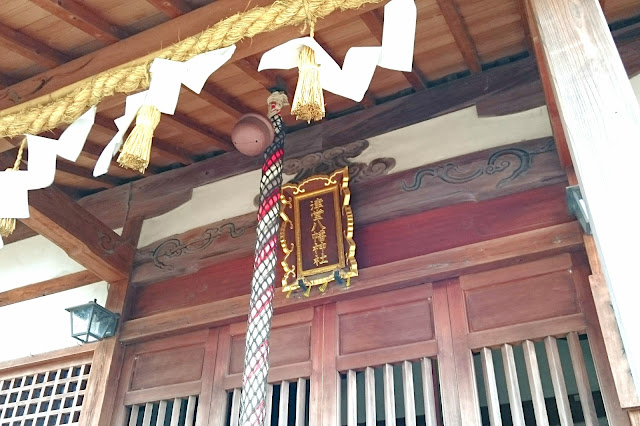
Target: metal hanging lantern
[[91, 322]]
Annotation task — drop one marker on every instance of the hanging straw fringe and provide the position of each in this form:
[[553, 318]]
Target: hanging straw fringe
[[66, 107], [136, 150], [8, 225], [308, 102]]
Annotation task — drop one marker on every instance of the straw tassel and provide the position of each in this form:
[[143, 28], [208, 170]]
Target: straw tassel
[[308, 102], [8, 225], [136, 150]]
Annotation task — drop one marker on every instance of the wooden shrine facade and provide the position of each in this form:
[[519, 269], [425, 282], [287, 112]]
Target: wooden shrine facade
[[479, 300]]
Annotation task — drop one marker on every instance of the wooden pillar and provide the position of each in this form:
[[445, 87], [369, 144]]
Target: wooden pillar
[[601, 119], [98, 407]]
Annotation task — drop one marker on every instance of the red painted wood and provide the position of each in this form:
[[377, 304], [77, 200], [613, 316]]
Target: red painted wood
[[379, 243]]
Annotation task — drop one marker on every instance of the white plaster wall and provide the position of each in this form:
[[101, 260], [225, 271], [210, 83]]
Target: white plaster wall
[[33, 260], [42, 325]]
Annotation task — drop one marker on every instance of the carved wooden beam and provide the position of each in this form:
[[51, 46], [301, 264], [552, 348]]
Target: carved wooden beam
[[30, 48], [83, 237], [403, 273], [522, 167], [81, 17], [44, 288]]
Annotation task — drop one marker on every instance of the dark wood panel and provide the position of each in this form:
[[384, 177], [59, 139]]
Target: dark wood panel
[[169, 367], [385, 327], [545, 296], [287, 345]]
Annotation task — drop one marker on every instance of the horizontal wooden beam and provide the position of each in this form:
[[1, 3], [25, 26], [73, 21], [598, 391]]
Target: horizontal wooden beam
[[81, 17], [404, 273], [45, 288], [50, 360], [138, 48], [30, 48], [83, 237]]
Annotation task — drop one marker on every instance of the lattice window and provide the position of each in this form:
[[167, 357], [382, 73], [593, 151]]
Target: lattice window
[[406, 393], [42, 399], [168, 412], [287, 404]]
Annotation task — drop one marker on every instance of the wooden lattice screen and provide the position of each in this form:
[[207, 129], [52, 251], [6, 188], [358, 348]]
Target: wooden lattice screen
[[45, 398]]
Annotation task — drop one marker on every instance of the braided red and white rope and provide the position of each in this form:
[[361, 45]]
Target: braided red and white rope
[[256, 359]]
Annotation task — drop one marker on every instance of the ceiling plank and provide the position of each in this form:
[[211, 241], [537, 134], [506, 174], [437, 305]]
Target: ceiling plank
[[140, 45], [30, 48], [374, 21], [45, 288], [84, 238], [188, 127], [460, 34], [171, 8], [81, 17]]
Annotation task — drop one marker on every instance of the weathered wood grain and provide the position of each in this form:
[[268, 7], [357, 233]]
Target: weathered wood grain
[[600, 115], [405, 273], [81, 235], [44, 288]]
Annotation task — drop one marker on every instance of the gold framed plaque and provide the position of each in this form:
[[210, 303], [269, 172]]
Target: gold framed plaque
[[316, 235]]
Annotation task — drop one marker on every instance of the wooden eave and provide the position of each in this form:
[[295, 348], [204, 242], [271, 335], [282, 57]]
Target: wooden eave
[[48, 45]]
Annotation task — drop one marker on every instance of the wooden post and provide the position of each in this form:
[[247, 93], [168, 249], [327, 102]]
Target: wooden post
[[98, 407], [601, 119]]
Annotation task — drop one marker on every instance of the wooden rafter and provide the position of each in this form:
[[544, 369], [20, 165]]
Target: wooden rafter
[[141, 44], [192, 128], [171, 8], [221, 99], [374, 21], [460, 34], [30, 48], [81, 17], [266, 78], [44, 288], [6, 81], [85, 239]]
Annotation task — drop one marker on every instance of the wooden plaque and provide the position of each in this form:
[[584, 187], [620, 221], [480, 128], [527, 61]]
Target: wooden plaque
[[316, 235]]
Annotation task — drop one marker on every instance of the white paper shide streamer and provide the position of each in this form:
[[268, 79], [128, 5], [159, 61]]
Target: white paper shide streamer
[[41, 168], [166, 78], [353, 79]]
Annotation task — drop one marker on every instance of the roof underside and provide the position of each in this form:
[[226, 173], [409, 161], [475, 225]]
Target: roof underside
[[454, 38]]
